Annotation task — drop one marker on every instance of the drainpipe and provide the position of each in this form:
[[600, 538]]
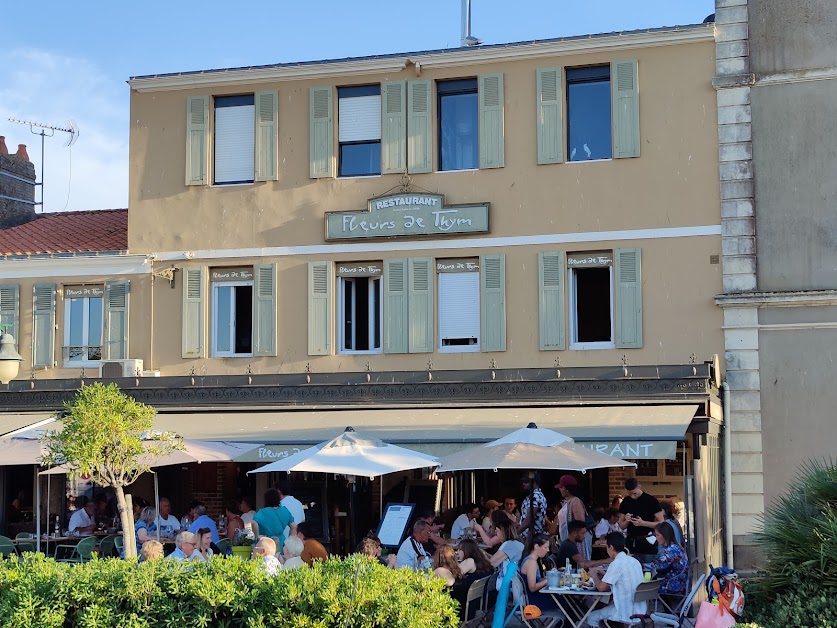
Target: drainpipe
[[727, 477]]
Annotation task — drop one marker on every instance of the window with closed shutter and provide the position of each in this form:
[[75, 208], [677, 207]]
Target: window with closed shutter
[[234, 139], [459, 311], [359, 130]]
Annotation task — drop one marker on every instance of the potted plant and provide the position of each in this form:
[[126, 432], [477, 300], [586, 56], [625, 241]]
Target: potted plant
[[242, 545]]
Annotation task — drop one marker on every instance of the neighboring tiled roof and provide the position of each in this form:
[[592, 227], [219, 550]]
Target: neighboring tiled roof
[[68, 232]]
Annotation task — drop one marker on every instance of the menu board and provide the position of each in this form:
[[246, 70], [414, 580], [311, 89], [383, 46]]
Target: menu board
[[393, 527]]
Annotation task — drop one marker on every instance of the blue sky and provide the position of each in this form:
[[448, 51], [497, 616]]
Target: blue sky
[[70, 61]]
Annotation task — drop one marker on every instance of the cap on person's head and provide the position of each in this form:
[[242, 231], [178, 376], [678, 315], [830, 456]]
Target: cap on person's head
[[566, 480], [631, 484], [492, 503]]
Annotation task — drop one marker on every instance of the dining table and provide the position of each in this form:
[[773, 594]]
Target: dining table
[[570, 599]]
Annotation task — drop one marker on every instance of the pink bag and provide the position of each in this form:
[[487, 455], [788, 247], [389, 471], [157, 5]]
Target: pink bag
[[713, 616]]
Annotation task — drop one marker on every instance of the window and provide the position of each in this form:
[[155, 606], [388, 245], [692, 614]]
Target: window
[[589, 113], [459, 305], [359, 130], [361, 307], [458, 106], [234, 139], [591, 300], [83, 316], [232, 312]]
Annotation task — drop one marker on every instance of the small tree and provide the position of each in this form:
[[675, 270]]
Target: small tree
[[108, 436]]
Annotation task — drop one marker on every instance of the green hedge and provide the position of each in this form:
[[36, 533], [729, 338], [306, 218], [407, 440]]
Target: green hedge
[[36, 591], [807, 604]]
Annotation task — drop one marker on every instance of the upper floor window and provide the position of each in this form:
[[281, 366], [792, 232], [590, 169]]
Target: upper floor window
[[83, 323], [458, 104], [232, 312], [360, 307], [591, 299], [459, 304], [359, 130], [589, 129], [234, 139]]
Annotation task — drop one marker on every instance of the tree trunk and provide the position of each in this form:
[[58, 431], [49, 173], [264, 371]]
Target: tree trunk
[[126, 516]]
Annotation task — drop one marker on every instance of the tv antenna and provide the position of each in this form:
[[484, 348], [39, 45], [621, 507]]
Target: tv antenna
[[47, 130]]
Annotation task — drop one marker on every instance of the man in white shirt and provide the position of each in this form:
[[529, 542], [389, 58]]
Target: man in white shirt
[[166, 522], [247, 512], [412, 554], [622, 578], [83, 520], [292, 504], [463, 521]]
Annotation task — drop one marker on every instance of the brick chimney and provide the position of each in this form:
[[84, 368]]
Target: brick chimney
[[17, 186]]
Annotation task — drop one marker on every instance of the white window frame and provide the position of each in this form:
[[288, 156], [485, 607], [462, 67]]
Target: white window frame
[[216, 152], [459, 348], [585, 346], [85, 318], [215, 353], [341, 317]]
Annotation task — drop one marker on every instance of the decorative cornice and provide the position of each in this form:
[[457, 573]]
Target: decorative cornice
[[329, 390], [423, 60], [796, 76], [808, 298]]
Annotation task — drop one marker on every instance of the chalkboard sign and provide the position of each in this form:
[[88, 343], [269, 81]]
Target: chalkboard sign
[[424, 494], [313, 498], [394, 524]]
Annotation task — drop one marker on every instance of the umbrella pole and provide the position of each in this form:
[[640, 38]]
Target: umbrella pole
[[351, 517], [38, 499], [157, 503], [48, 522]]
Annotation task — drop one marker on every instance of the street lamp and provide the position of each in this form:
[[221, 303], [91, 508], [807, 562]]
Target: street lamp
[[9, 358]]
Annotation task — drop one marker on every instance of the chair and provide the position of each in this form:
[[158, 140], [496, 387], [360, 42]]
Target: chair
[[475, 592], [25, 542], [7, 548], [81, 552], [548, 618], [107, 546], [119, 545], [645, 592], [677, 621], [224, 547]]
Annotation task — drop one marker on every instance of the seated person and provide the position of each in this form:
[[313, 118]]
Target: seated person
[[435, 540], [569, 548], [502, 529], [470, 513], [313, 549], [204, 539], [530, 570], [83, 520], [446, 566], [608, 523], [670, 519], [468, 554], [371, 546], [673, 564], [622, 578], [145, 527], [412, 554], [292, 552], [202, 520], [185, 545], [265, 549], [510, 551], [491, 505], [166, 521], [151, 550]]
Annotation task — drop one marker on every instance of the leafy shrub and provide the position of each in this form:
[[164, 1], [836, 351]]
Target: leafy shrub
[[36, 591], [804, 605]]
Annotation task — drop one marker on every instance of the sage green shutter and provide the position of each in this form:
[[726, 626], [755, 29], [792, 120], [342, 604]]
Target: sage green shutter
[[267, 135], [419, 127], [197, 139], [625, 93], [116, 320], [43, 326], [319, 308], [194, 334], [421, 305], [491, 121], [550, 125], [321, 155], [492, 303], [264, 310], [628, 298], [551, 321], [393, 127], [395, 306], [9, 310]]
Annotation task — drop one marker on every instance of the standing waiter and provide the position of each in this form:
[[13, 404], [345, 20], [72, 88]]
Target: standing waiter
[[640, 513]]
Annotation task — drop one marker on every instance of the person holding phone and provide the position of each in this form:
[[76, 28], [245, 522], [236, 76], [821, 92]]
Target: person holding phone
[[639, 514]]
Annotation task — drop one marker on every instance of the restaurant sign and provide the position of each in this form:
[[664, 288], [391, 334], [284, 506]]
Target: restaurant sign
[[637, 450], [405, 215], [84, 292]]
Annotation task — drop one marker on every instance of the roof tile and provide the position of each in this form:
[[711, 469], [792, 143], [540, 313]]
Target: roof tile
[[68, 232]]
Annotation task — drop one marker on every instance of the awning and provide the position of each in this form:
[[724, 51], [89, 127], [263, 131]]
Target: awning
[[12, 423], [622, 431]]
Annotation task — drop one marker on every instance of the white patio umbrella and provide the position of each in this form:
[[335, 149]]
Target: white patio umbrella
[[530, 447], [352, 454]]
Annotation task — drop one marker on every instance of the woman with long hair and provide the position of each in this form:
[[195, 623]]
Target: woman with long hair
[[145, 526], [446, 566], [530, 569], [502, 529], [204, 540], [673, 564], [470, 551]]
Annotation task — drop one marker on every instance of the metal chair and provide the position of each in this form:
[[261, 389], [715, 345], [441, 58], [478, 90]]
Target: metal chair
[[7, 548], [549, 618], [645, 592], [119, 545], [25, 542], [677, 621], [81, 552], [476, 592], [107, 546]]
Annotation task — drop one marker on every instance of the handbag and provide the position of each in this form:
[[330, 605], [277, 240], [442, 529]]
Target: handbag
[[713, 616]]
